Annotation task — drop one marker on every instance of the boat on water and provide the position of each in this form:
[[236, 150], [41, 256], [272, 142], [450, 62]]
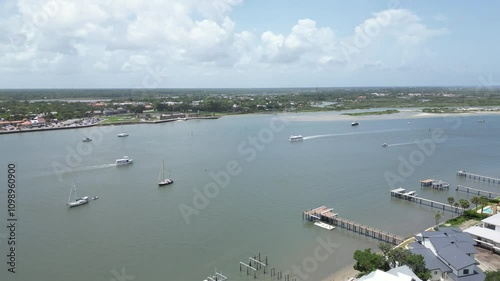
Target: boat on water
[[76, 201], [480, 121], [87, 139], [354, 124], [124, 161], [324, 225], [296, 138], [162, 180], [385, 145], [123, 134]]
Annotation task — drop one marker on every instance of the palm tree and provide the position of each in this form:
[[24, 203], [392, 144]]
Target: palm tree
[[464, 203], [475, 200], [437, 217], [456, 205], [483, 201], [451, 200]]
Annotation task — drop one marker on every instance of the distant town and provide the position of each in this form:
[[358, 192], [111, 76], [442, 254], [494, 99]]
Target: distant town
[[38, 109]]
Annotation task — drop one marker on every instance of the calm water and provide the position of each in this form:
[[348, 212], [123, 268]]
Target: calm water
[[137, 227]]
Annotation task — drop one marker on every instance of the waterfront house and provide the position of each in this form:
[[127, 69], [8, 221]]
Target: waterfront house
[[402, 273], [487, 233], [449, 254]]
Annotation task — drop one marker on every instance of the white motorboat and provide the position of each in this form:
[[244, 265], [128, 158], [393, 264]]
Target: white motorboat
[[124, 161], [354, 124], [76, 201], [324, 225], [87, 139], [385, 145], [123, 134], [296, 138]]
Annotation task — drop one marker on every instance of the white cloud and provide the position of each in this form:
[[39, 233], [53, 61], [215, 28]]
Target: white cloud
[[193, 36]]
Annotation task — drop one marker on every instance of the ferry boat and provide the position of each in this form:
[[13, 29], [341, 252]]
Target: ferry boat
[[124, 161], [354, 124], [296, 138]]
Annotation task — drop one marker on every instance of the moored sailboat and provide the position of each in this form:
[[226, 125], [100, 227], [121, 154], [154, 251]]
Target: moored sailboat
[[162, 180], [77, 201]]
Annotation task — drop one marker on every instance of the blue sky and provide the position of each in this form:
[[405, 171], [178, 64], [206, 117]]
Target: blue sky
[[247, 43]]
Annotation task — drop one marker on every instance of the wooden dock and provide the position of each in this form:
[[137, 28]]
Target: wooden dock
[[435, 184], [477, 177], [412, 197], [479, 192], [327, 215]]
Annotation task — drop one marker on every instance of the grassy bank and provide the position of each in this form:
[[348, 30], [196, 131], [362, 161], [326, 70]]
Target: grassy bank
[[390, 111]]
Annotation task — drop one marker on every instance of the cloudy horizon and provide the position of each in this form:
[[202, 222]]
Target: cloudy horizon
[[246, 44]]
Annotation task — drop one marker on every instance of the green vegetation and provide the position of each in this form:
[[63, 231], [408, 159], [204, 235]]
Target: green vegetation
[[389, 111], [366, 261], [120, 119], [467, 215], [492, 275]]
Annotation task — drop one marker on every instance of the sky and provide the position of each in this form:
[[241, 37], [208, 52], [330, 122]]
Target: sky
[[248, 43]]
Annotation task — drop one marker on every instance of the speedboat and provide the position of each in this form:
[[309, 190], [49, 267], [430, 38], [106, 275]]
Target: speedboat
[[123, 134], [385, 145], [87, 139], [124, 161], [354, 124], [296, 138]]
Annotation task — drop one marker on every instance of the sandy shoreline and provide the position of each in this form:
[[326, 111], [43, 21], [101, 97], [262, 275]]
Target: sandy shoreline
[[345, 274]]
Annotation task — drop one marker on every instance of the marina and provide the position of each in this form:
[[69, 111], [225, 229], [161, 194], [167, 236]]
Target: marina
[[435, 184], [462, 173], [328, 218], [411, 196], [479, 192]]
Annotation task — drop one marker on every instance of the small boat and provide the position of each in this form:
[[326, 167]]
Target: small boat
[[296, 138], [385, 145], [77, 201], [123, 134], [480, 121], [354, 124], [87, 139], [161, 178], [95, 198], [324, 225], [124, 161]]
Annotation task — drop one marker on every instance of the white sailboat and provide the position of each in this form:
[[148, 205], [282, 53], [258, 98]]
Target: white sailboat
[[123, 134], [77, 201], [161, 178]]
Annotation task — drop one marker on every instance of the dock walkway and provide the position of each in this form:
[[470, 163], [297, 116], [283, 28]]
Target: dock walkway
[[327, 215], [412, 197], [477, 177], [479, 192]]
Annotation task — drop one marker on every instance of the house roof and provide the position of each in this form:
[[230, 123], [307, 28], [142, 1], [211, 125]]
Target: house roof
[[455, 257], [477, 276], [402, 273], [495, 220], [483, 232], [431, 261]]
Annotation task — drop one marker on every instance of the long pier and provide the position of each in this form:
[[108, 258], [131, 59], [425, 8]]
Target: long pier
[[477, 191], [478, 177], [412, 197], [327, 215]]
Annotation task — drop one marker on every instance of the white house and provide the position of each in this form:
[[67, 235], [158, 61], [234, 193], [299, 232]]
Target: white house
[[448, 254], [487, 234], [402, 273]]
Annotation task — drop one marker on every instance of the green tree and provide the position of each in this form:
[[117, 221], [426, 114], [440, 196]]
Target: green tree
[[464, 203], [366, 261], [385, 248], [456, 205], [417, 264], [451, 200], [437, 216], [483, 201], [492, 275], [475, 200]]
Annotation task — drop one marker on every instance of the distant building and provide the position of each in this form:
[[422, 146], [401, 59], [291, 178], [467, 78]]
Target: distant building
[[402, 273], [448, 254], [487, 234]]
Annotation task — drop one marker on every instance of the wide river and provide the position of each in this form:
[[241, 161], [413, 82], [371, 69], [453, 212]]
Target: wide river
[[240, 189]]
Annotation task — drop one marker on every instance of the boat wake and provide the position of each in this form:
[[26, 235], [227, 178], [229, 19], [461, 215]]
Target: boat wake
[[401, 144], [350, 134]]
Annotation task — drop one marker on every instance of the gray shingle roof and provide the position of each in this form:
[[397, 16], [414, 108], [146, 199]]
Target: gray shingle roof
[[455, 257], [431, 261]]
